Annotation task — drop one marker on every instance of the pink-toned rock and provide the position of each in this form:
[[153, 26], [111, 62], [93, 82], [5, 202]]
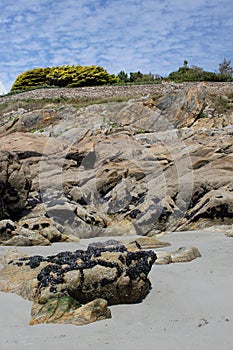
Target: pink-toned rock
[[27, 145]]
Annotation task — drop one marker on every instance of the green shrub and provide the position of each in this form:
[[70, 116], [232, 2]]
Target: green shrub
[[63, 76], [92, 76], [195, 74], [31, 78]]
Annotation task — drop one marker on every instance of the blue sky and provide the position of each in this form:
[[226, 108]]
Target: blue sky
[[147, 35]]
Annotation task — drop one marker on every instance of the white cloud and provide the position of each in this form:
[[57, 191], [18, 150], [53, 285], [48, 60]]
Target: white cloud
[[132, 35]]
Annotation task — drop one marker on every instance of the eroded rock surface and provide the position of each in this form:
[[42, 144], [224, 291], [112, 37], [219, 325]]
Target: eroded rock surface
[[142, 167], [30, 232], [15, 183]]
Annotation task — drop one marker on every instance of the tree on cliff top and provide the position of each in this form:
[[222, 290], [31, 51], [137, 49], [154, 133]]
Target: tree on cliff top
[[225, 68], [64, 76], [194, 73]]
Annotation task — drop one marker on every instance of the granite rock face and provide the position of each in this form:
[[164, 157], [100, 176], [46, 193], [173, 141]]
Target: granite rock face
[[15, 183], [146, 166]]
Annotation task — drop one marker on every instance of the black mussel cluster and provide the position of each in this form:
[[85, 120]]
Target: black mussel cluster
[[138, 264]]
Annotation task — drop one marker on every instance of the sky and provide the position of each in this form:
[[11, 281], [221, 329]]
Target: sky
[[132, 35]]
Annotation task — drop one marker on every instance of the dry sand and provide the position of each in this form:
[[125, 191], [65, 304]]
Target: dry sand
[[189, 307]]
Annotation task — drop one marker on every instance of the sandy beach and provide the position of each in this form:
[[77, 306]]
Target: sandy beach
[[189, 307]]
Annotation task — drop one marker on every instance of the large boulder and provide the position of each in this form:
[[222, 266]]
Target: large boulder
[[109, 270], [106, 273]]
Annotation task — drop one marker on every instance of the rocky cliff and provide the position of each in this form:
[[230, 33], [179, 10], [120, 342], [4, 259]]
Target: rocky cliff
[[145, 160]]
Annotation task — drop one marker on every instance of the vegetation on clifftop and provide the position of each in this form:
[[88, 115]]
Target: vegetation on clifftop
[[78, 76], [183, 74], [64, 76], [194, 73]]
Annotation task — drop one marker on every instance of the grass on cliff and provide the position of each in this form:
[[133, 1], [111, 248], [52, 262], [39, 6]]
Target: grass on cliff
[[31, 104], [223, 103]]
